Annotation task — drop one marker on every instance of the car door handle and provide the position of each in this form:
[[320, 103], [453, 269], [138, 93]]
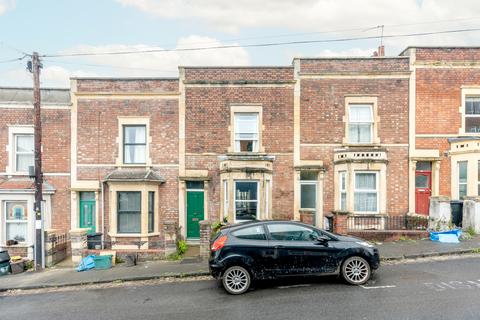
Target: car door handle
[[279, 247]]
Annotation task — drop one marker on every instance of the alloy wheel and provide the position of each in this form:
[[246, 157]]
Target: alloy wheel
[[356, 270], [236, 280]]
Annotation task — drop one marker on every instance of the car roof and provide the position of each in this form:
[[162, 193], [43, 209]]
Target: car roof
[[259, 222], [240, 225]]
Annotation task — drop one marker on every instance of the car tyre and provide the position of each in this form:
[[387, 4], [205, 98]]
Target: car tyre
[[236, 280], [356, 270]]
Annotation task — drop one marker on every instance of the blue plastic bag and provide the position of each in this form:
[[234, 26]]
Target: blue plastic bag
[[435, 236], [87, 263]]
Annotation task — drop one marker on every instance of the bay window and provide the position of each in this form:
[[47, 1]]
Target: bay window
[[246, 200], [151, 211], [16, 221], [366, 192], [343, 191], [129, 211], [462, 179], [226, 203]]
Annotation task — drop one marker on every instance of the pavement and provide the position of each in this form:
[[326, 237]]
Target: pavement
[[65, 275], [426, 289]]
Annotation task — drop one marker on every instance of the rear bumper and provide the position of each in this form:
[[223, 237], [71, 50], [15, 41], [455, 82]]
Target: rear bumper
[[215, 269]]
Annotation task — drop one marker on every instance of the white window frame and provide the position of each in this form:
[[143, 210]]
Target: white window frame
[[133, 121], [256, 140], [377, 190], [26, 222], [478, 177], [371, 123], [311, 183], [236, 200], [124, 128], [267, 201], [13, 132], [4, 198], [226, 203], [465, 115], [342, 189], [458, 176], [16, 152]]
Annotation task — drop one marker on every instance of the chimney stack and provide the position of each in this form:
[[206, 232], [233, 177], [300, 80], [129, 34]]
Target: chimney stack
[[380, 52]]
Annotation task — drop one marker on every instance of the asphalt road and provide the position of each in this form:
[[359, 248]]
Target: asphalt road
[[427, 290]]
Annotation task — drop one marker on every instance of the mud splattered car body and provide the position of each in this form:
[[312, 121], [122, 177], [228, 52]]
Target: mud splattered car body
[[271, 249]]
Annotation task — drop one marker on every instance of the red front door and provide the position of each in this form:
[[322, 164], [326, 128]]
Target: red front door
[[423, 191]]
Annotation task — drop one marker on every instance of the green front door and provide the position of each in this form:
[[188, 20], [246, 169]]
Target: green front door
[[87, 211], [194, 213]]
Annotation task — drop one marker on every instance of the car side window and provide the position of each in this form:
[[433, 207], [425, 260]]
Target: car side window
[[291, 232], [251, 233]]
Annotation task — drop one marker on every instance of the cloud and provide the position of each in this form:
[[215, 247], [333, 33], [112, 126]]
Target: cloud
[[307, 15], [56, 72], [6, 5], [163, 63], [50, 76], [353, 52]]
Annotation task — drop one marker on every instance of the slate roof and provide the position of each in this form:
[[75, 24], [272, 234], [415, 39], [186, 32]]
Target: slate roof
[[49, 96], [132, 175]]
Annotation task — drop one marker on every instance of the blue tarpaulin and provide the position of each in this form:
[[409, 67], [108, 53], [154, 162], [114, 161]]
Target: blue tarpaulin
[[87, 263], [450, 236]]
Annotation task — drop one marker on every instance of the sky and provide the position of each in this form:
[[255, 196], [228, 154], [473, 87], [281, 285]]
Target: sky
[[92, 26]]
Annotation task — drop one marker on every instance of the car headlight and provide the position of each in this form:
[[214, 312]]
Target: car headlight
[[365, 244]]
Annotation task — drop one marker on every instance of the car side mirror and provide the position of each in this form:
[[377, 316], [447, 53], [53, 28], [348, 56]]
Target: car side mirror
[[322, 240]]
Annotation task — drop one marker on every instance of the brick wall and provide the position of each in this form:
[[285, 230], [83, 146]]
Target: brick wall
[[230, 74], [323, 108], [371, 65], [98, 128], [448, 54], [207, 117], [208, 120], [55, 155], [438, 98], [98, 134], [127, 85]]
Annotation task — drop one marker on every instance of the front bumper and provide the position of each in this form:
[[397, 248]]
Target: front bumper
[[375, 260]]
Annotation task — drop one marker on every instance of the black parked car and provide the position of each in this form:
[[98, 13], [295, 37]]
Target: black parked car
[[270, 249]]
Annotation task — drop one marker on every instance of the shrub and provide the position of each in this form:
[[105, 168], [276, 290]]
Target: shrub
[[182, 247]]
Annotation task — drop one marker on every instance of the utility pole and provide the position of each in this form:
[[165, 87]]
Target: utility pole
[[34, 67]]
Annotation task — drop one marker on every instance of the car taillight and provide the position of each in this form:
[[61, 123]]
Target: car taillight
[[219, 243]]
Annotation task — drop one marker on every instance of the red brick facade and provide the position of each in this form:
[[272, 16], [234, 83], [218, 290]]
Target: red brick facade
[[324, 88], [441, 76], [17, 118], [304, 128]]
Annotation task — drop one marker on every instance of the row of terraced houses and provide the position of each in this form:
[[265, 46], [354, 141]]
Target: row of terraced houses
[[127, 157]]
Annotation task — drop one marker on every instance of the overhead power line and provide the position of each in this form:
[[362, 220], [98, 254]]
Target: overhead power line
[[105, 66], [253, 45], [13, 60], [361, 29]]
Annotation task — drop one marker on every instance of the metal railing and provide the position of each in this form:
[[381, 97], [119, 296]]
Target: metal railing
[[387, 223]]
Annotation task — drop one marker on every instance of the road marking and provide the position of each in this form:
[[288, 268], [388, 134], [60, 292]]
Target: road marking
[[294, 286], [379, 287], [453, 285]]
